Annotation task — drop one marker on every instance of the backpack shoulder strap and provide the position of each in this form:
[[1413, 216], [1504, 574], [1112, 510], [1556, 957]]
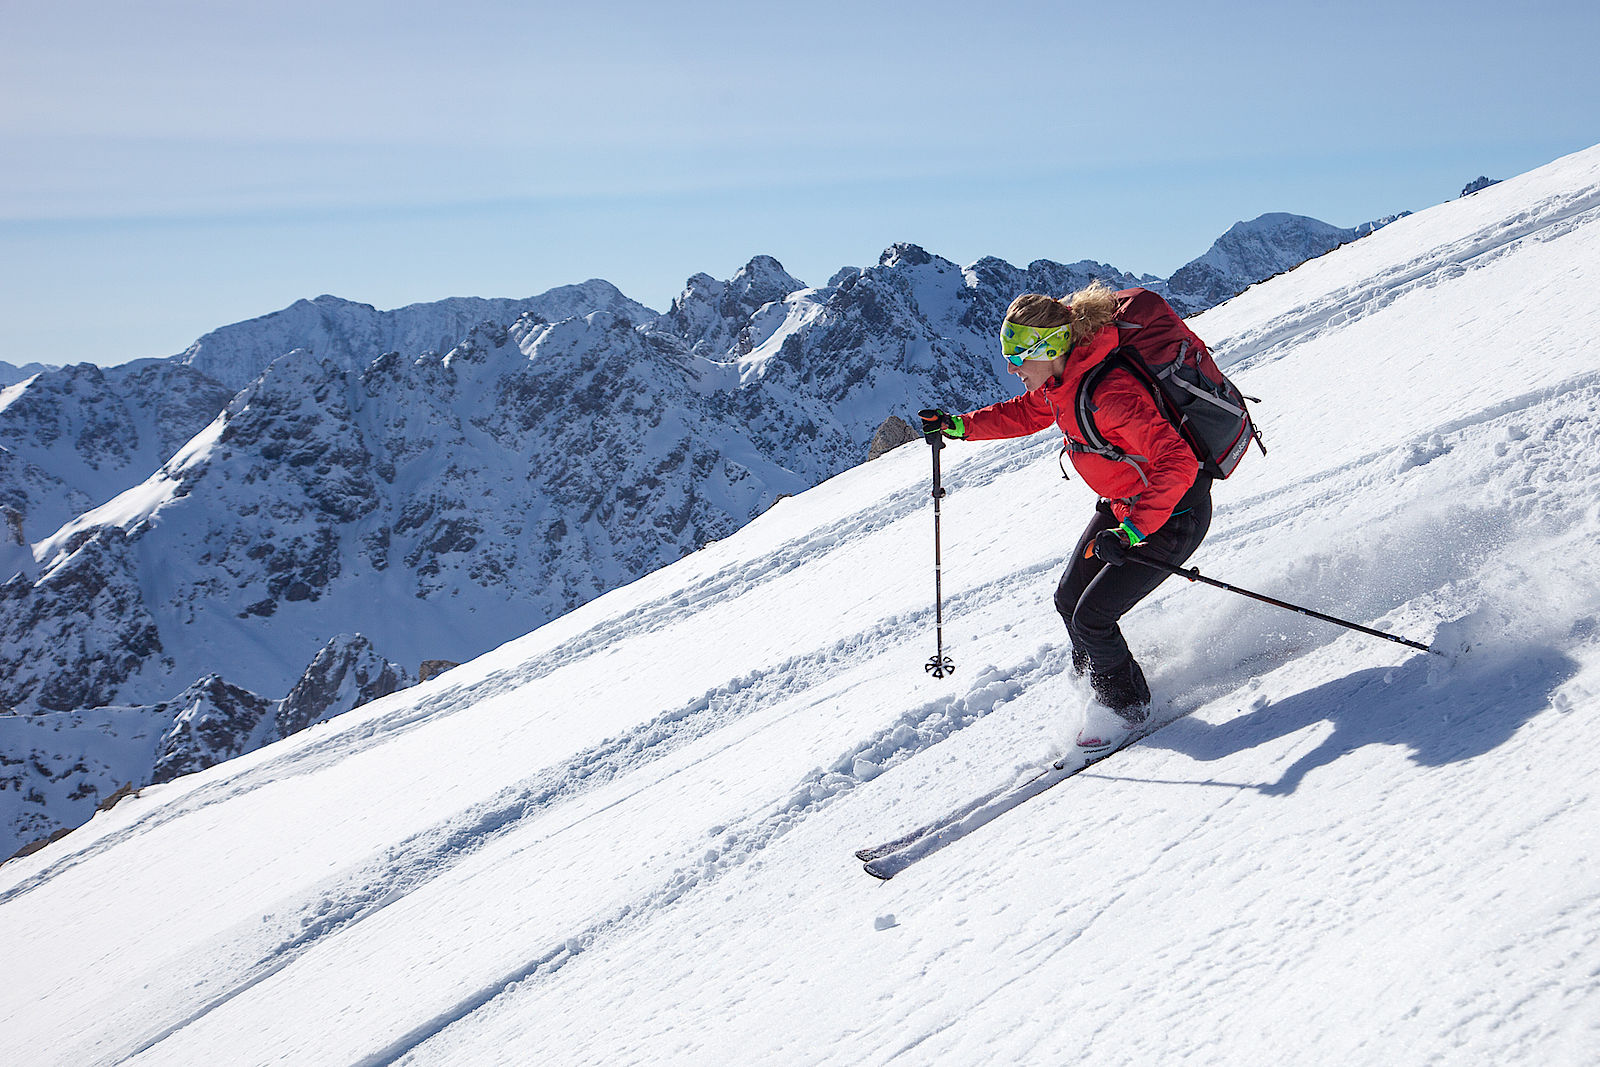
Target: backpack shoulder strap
[[1083, 409]]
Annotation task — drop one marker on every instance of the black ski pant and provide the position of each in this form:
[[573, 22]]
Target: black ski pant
[[1094, 595]]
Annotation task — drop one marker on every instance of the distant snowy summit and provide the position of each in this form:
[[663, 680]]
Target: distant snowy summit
[[1254, 251], [11, 375], [713, 317]]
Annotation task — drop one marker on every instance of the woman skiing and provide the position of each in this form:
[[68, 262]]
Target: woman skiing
[[1155, 500]]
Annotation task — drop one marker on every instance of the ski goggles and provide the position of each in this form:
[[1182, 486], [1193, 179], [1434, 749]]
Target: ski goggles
[[1022, 343]]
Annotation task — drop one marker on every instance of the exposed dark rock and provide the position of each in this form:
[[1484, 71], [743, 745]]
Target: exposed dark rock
[[346, 674], [212, 721], [432, 668], [891, 434]]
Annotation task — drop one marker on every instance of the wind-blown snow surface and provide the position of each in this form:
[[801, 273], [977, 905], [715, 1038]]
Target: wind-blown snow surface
[[626, 838]]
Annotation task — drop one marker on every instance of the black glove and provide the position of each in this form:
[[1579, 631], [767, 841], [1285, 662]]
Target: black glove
[[938, 420], [1112, 546]]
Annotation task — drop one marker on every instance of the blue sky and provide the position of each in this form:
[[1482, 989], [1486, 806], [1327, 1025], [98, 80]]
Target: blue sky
[[171, 166]]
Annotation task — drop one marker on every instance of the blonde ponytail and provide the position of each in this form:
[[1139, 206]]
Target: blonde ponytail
[[1093, 308]]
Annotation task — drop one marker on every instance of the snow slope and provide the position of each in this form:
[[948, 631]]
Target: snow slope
[[626, 837]]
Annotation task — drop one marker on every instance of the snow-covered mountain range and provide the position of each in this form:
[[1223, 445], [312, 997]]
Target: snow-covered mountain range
[[350, 335], [441, 478], [1254, 251], [626, 838]]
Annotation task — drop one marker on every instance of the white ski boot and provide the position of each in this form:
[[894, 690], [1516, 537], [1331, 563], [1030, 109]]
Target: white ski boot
[[1104, 730]]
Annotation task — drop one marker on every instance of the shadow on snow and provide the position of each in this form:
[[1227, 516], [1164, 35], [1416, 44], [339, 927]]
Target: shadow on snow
[[1442, 714]]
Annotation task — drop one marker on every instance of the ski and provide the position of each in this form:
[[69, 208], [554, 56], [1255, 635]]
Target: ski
[[897, 844], [890, 858], [966, 809]]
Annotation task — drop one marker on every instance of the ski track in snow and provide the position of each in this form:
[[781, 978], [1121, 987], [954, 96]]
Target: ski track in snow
[[915, 732], [1581, 391], [1338, 308], [357, 894], [353, 896]]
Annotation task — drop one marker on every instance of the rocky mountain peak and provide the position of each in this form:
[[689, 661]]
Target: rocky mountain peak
[[211, 722], [762, 281], [346, 674], [712, 316], [352, 334], [1252, 251], [904, 254], [11, 374]]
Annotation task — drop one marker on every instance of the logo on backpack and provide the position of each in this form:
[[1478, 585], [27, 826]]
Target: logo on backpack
[[1208, 411]]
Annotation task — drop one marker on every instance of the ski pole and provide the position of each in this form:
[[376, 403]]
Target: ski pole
[[940, 665], [1195, 576]]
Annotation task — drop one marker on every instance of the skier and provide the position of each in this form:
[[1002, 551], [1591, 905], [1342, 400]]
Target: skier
[[1154, 497]]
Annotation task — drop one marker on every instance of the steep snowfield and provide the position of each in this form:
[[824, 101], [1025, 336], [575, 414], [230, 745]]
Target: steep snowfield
[[627, 837]]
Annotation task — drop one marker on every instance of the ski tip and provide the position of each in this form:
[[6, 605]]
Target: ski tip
[[879, 874], [863, 854]]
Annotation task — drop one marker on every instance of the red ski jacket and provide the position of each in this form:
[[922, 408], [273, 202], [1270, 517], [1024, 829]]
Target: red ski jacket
[[1160, 468]]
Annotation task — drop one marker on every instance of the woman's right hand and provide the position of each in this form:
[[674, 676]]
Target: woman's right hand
[[938, 420]]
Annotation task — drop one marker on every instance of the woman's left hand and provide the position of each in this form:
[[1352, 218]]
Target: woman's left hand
[[1111, 546]]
